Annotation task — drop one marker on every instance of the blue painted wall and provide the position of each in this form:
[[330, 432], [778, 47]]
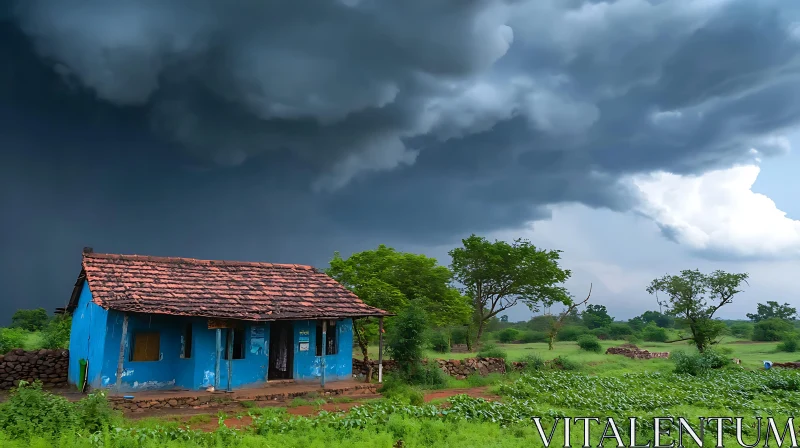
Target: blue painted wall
[[87, 339], [308, 366], [96, 336]]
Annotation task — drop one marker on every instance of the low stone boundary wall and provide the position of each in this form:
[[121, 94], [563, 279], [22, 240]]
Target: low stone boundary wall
[[787, 365], [48, 366], [458, 369], [636, 353], [200, 400]]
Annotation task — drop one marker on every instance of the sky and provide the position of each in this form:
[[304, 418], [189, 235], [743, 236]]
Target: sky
[[641, 137]]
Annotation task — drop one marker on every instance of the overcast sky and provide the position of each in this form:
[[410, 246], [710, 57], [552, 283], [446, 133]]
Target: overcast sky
[[641, 137]]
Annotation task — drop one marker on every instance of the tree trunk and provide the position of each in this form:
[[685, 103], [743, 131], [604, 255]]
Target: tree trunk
[[362, 342], [469, 338], [551, 338], [480, 333]]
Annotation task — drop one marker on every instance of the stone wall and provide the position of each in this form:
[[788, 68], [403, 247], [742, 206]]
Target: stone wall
[[48, 366], [787, 365], [458, 369], [636, 353]]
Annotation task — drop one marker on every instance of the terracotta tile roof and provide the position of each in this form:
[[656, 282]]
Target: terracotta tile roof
[[217, 289]]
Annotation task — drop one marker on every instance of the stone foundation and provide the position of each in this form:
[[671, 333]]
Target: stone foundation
[[48, 366], [634, 352], [210, 400], [458, 369]]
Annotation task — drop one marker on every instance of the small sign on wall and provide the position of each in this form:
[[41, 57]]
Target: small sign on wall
[[304, 346]]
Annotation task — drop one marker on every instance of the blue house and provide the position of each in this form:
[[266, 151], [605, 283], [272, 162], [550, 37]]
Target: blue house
[[144, 323]]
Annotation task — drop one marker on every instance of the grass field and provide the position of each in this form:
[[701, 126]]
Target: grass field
[[752, 354]]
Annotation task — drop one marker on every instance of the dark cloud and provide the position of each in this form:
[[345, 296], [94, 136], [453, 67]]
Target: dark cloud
[[283, 131]]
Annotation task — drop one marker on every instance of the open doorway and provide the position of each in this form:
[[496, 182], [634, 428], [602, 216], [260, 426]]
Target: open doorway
[[281, 351]]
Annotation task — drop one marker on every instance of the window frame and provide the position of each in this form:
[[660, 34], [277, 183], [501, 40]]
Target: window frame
[[239, 351], [331, 338], [188, 339]]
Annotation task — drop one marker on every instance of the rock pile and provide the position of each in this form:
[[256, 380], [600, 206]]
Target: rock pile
[[458, 369], [48, 366], [633, 352], [787, 365]]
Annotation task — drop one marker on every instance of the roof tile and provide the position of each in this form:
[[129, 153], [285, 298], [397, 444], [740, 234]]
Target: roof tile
[[218, 289]]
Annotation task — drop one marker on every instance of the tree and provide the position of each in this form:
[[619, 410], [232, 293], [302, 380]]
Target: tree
[[392, 280], [30, 320], [556, 325], [773, 310], [658, 318], [498, 275], [695, 298], [504, 318], [596, 316], [772, 329]]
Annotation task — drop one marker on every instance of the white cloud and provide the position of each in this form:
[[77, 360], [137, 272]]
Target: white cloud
[[718, 212]]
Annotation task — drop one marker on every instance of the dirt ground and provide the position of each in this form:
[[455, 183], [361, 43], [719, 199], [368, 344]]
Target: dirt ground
[[185, 415]]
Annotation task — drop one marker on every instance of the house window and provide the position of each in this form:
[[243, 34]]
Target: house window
[[331, 346], [187, 342], [146, 346], [238, 343]]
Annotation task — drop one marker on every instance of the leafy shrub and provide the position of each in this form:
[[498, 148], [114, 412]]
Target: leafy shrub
[[491, 351], [406, 340], [31, 411], [508, 335], [619, 330], [771, 329], [56, 334], [430, 376], [717, 359], [590, 343], [564, 363], [699, 363], [439, 342], [533, 362], [790, 343], [571, 333], [11, 338], [602, 333], [688, 364], [94, 412], [530, 336], [395, 389], [653, 333]]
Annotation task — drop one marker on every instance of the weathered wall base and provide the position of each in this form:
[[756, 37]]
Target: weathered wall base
[[48, 366], [212, 400]]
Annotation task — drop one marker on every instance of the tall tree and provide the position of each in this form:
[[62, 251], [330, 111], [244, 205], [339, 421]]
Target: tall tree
[[392, 281], [695, 298], [498, 275], [773, 310], [30, 320], [596, 316]]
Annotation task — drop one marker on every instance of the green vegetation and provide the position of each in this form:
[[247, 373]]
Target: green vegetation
[[590, 343]]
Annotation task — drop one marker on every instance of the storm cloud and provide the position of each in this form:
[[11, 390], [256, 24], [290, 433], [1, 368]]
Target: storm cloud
[[283, 131]]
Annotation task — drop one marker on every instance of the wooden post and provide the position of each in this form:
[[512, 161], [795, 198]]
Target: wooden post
[[230, 357], [216, 358], [122, 343], [380, 349], [324, 348]]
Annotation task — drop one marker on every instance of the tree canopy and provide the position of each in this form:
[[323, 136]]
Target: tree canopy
[[498, 275], [30, 320], [695, 297], [596, 316], [773, 310], [392, 280]]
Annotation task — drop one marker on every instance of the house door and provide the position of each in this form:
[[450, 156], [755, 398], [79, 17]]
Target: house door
[[281, 351]]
